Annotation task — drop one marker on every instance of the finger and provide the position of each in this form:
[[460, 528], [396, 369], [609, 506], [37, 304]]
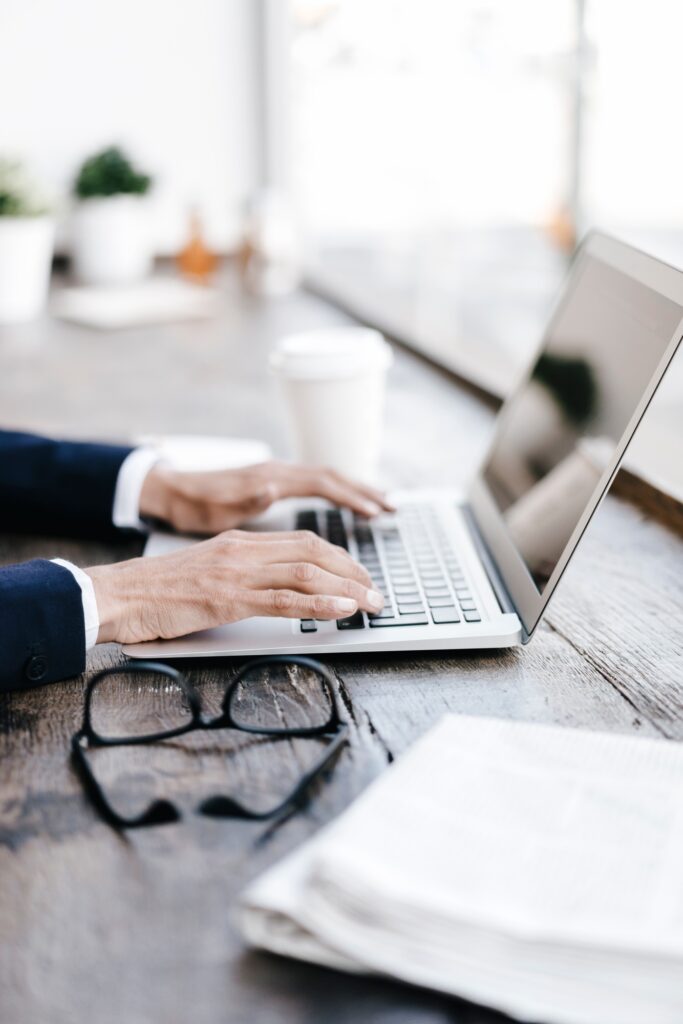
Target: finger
[[296, 545], [341, 492], [372, 493], [292, 605], [305, 482], [308, 578], [302, 546], [249, 504]]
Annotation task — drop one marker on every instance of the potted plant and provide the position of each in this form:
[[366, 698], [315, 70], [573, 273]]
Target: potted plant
[[26, 242], [110, 241]]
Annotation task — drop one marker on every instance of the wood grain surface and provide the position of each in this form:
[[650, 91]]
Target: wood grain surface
[[139, 928]]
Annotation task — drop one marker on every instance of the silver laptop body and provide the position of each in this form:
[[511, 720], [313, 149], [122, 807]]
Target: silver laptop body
[[477, 570]]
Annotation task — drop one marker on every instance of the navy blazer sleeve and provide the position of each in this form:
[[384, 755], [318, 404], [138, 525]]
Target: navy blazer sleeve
[[49, 487], [57, 487], [42, 635]]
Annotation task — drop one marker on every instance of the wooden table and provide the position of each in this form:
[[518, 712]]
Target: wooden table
[[139, 929]]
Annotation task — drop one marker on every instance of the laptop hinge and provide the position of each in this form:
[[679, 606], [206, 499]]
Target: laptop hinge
[[500, 590]]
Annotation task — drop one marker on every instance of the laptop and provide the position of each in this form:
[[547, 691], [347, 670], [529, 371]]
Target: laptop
[[477, 570]]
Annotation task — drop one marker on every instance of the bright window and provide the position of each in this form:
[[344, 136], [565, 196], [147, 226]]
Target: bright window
[[445, 153]]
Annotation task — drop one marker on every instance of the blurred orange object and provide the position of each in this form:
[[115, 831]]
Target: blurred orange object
[[196, 260], [562, 229]]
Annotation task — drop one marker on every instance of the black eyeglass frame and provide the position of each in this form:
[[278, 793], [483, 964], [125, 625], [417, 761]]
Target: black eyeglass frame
[[162, 811]]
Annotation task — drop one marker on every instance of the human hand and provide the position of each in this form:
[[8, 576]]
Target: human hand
[[211, 502], [230, 577]]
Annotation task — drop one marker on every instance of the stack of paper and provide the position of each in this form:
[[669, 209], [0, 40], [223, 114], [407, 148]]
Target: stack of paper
[[158, 300], [530, 868]]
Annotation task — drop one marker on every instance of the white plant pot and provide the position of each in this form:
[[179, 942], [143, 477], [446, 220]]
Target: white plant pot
[[25, 262], [110, 240]]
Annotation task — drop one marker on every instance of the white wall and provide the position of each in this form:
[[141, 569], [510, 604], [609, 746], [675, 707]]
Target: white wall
[[174, 81]]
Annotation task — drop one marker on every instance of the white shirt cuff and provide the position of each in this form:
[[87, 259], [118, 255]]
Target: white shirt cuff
[[91, 616], [134, 469]]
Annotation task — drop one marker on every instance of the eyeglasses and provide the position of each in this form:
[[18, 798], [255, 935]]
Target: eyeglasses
[[149, 702]]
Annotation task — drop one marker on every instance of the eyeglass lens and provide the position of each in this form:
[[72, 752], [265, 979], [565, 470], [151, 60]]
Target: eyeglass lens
[[280, 696], [132, 703]]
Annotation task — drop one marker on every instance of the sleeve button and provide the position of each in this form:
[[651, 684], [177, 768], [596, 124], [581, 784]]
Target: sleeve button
[[36, 668]]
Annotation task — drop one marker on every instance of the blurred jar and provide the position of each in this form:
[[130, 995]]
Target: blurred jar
[[111, 239], [26, 243]]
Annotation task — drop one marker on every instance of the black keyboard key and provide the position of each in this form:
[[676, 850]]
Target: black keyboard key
[[336, 531], [410, 609], [308, 626], [443, 615], [472, 617], [307, 519], [401, 620], [352, 622]]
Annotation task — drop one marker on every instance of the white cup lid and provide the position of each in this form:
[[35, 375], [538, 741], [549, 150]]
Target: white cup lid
[[329, 353]]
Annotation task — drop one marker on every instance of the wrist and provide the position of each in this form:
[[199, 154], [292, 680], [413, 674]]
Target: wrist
[[156, 492], [111, 601]]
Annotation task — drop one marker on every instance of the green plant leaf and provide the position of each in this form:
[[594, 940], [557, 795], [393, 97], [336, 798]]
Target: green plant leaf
[[110, 173]]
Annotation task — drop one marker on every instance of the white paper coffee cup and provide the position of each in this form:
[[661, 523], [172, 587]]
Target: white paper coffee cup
[[333, 382]]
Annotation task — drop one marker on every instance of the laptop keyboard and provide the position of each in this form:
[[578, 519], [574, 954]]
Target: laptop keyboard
[[412, 564]]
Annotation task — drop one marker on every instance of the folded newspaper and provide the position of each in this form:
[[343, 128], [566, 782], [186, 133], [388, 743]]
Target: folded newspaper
[[534, 869]]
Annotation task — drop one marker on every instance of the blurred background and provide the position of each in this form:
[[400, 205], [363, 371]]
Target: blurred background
[[428, 166]]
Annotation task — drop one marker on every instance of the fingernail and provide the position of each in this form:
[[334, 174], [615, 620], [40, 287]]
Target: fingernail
[[375, 600], [371, 509], [345, 604]]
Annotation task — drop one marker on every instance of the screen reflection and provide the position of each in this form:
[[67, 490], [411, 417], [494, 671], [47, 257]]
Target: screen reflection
[[558, 433]]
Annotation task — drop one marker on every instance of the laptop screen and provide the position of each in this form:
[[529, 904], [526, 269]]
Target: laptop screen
[[558, 433]]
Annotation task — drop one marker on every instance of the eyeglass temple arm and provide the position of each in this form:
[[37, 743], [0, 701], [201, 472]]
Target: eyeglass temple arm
[[140, 668], [159, 812]]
